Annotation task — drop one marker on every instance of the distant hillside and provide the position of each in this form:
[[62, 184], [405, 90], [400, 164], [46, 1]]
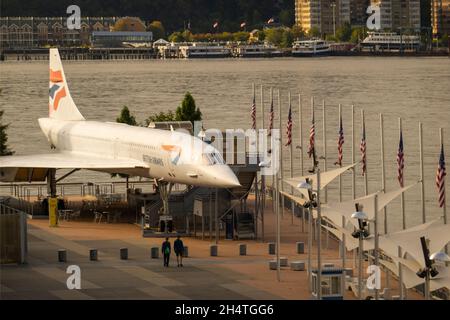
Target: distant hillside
[[174, 14]]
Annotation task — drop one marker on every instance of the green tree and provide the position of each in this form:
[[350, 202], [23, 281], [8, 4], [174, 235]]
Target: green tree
[[344, 33], [357, 35], [314, 32], [241, 36], [287, 38], [160, 117], [126, 117], [4, 149], [159, 32], [274, 35], [188, 111], [176, 37], [297, 32]]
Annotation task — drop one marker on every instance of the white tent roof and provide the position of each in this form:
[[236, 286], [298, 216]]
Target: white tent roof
[[325, 178], [347, 208]]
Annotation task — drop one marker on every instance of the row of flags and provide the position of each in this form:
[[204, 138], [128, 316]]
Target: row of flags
[[440, 174], [243, 24]]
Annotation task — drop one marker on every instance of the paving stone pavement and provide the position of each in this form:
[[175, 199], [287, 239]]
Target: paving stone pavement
[[111, 278]]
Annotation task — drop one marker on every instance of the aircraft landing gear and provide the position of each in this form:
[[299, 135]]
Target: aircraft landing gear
[[165, 219]]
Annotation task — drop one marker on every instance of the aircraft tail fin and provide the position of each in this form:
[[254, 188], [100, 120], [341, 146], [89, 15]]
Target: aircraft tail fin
[[61, 105]]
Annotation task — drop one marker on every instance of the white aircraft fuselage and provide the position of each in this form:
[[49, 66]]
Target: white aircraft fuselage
[[171, 156]]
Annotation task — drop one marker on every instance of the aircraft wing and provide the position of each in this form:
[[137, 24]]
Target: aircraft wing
[[35, 167]]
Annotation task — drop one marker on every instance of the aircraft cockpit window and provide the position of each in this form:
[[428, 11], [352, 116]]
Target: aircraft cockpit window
[[212, 158]]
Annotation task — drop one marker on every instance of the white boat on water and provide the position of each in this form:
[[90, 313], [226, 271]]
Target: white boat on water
[[256, 51], [310, 48], [204, 50], [387, 41]]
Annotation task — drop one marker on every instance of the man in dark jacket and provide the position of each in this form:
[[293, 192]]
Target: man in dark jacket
[[178, 247], [166, 252]]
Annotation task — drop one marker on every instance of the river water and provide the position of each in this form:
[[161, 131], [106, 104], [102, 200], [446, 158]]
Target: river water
[[415, 89]]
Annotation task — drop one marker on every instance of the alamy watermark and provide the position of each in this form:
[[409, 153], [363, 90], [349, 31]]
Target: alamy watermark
[[74, 280], [374, 20], [74, 20]]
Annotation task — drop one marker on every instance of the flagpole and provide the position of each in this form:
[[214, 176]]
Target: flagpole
[[319, 244], [383, 186], [422, 176], [353, 153], [366, 182], [444, 209], [343, 244], [376, 256], [278, 242], [273, 176], [324, 137], [300, 128], [281, 154], [383, 170], [262, 195], [353, 171], [402, 208], [291, 170]]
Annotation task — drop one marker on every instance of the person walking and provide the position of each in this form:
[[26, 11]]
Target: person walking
[[166, 252], [178, 247]]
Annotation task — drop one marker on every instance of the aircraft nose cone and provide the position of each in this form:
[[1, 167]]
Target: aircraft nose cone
[[223, 177]]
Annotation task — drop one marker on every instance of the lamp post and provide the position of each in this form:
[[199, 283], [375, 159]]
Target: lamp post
[[430, 270], [360, 233], [314, 202], [333, 5]]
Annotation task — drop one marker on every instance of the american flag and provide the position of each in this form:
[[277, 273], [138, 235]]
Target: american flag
[[400, 161], [271, 116], [312, 133], [340, 143], [253, 114], [289, 127], [362, 147], [440, 180]]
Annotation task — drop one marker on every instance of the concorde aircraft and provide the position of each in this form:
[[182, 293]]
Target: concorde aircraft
[[167, 156]]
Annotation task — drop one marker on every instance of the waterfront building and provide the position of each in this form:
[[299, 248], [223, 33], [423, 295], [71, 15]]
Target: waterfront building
[[399, 15], [37, 32], [358, 15], [322, 15], [440, 17], [118, 39]]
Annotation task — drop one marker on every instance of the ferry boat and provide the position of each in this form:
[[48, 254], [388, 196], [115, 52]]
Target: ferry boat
[[204, 50], [256, 51], [310, 48], [386, 41]]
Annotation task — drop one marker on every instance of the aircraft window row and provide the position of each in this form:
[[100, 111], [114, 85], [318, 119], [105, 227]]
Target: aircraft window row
[[212, 158], [141, 146]]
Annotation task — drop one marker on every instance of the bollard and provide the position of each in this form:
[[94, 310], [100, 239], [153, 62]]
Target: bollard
[[300, 247], [93, 255], [186, 252], [213, 250], [271, 247], [155, 252], [62, 255], [123, 253], [242, 249]]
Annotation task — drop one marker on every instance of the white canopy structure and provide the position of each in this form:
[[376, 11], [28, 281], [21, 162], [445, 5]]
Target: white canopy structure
[[335, 211], [325, 178]]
